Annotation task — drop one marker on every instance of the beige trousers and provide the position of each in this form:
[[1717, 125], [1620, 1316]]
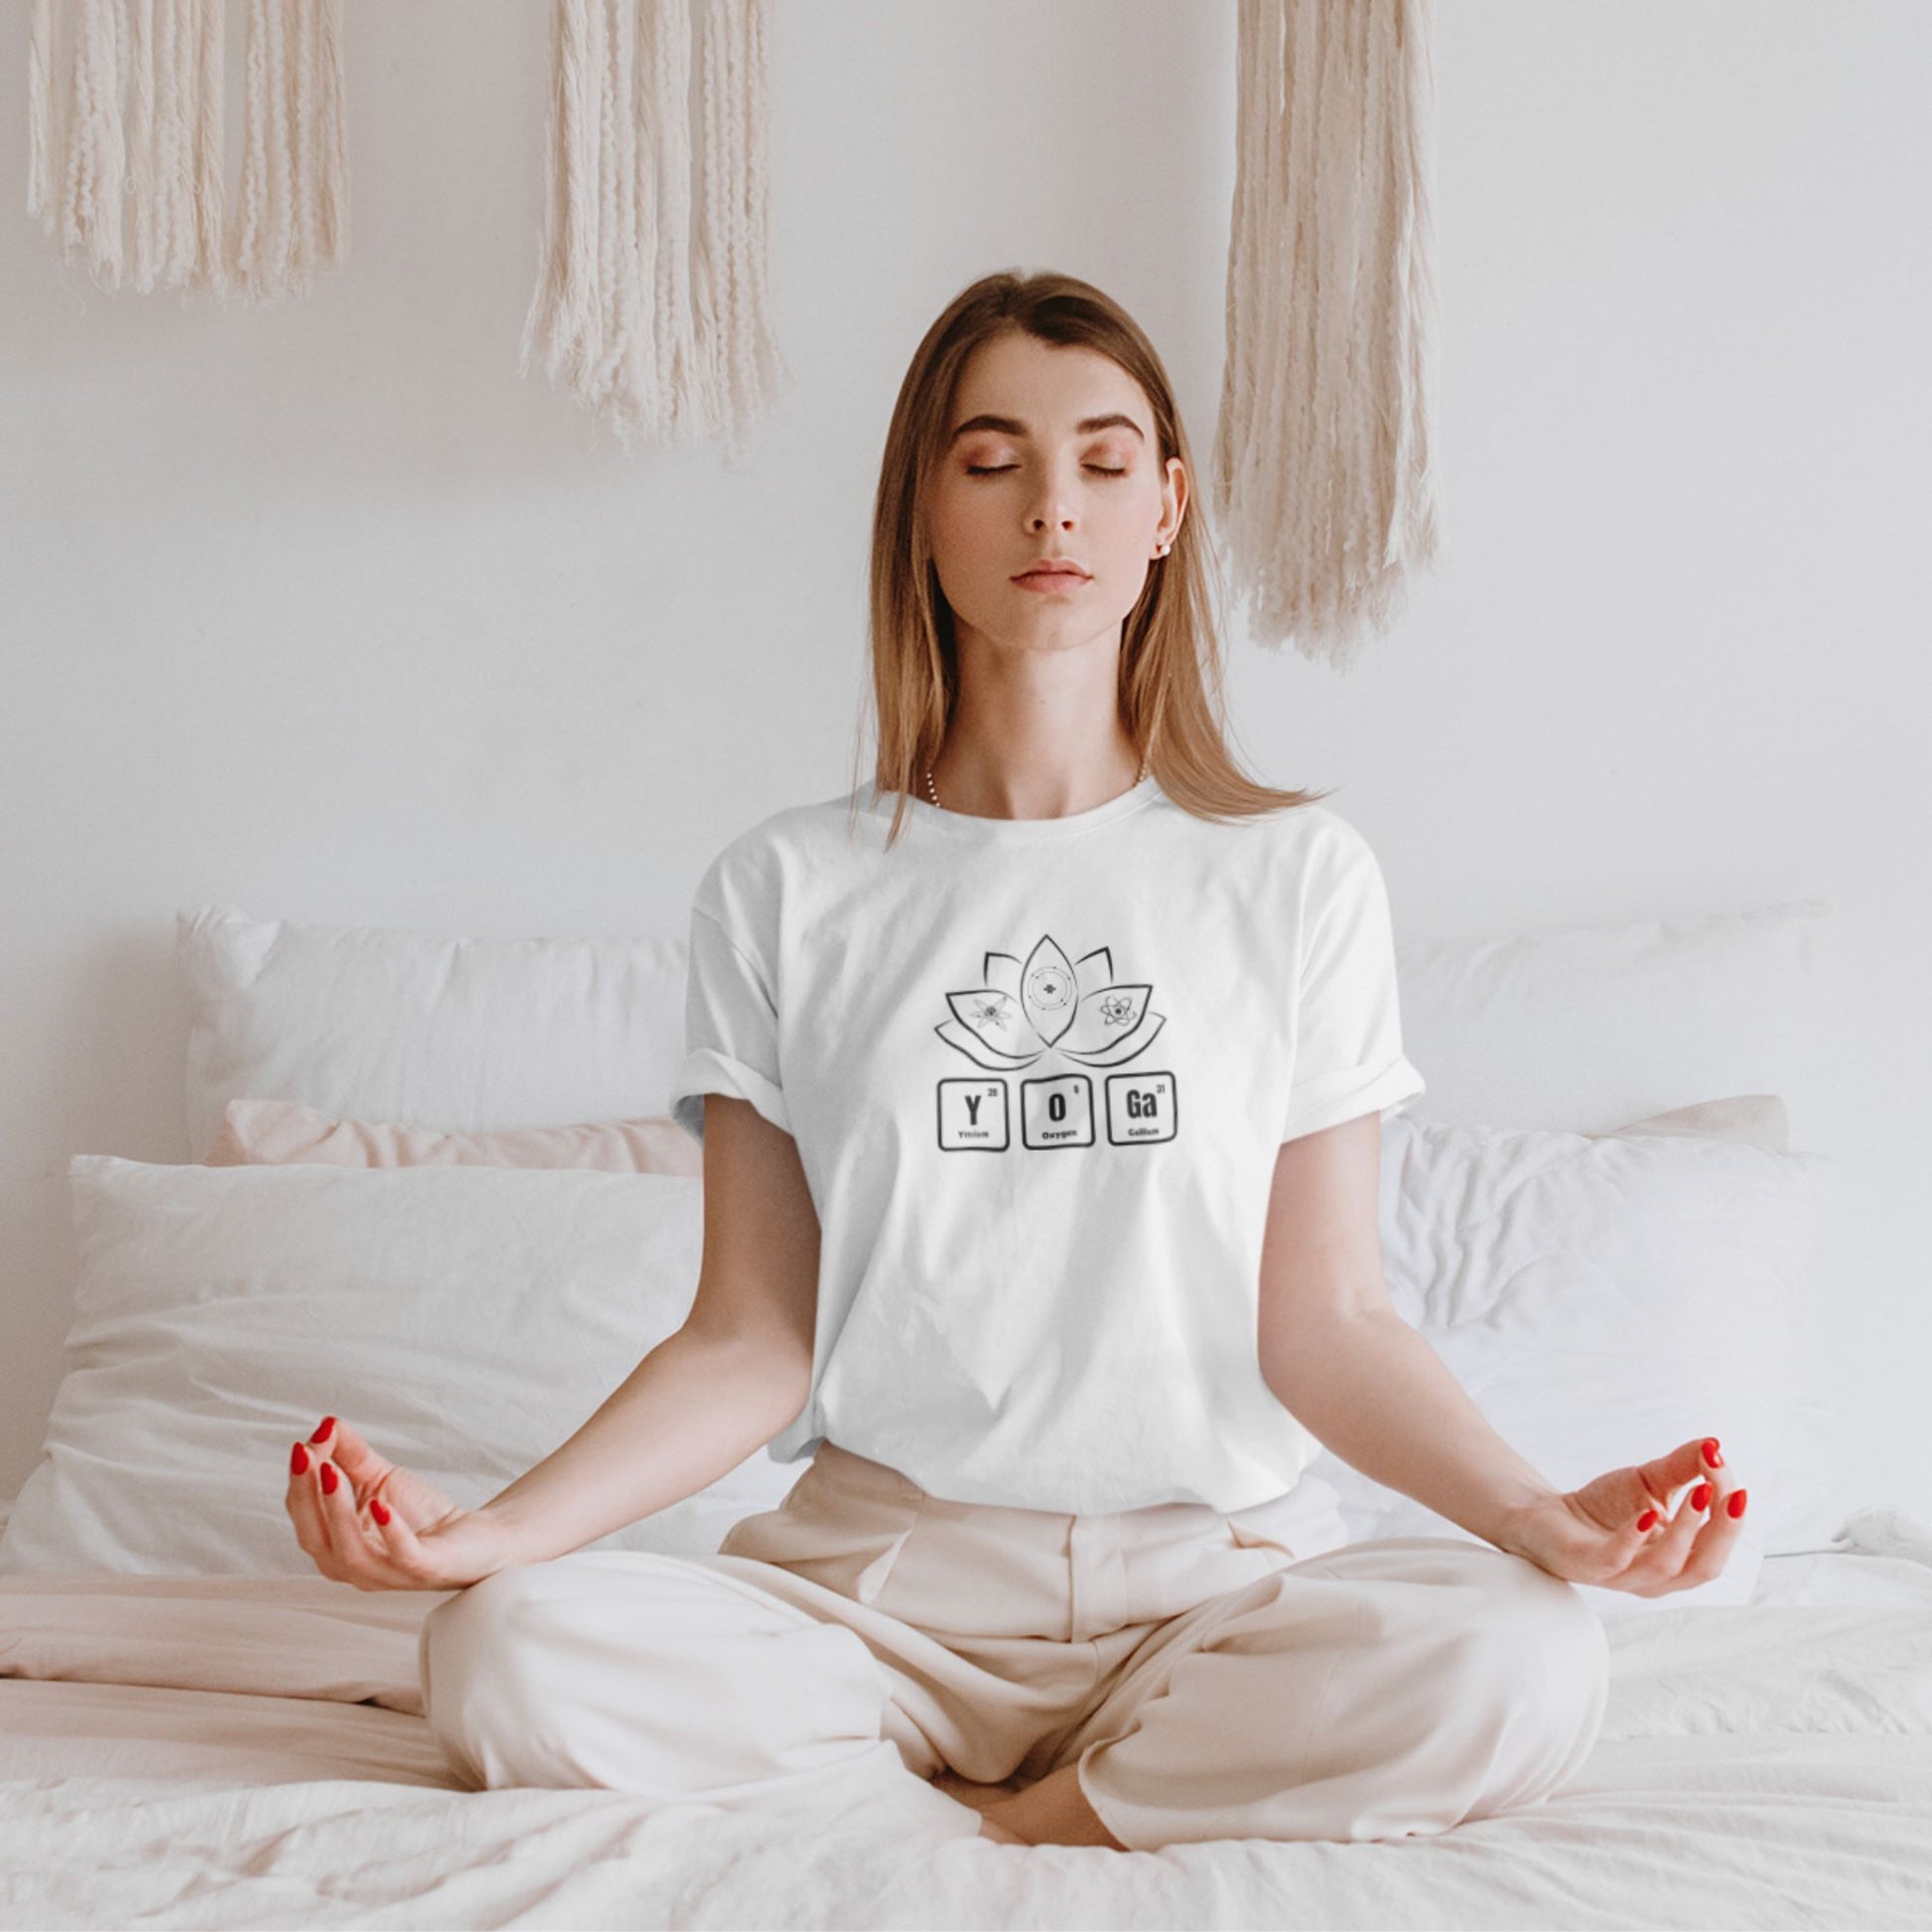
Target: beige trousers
[[1208, 1684]]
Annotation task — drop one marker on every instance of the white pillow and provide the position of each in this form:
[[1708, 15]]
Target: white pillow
[[1582, 1027], [465, 1320], [1601, 1300], [1574, 1029], [371, 1022], [1578, 1027], [468, 1319]]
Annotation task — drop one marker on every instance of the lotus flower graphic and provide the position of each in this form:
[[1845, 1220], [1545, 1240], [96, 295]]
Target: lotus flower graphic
[[1046, 1002]]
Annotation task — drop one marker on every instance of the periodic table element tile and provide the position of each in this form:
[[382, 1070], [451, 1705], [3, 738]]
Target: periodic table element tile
[[973, 1116], [1057, 1112], [1141, 1107]]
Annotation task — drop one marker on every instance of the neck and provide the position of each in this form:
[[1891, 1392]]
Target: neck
[[983, 785]]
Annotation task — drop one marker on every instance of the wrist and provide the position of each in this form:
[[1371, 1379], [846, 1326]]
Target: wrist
[[1518, 1520], [507, 1518]]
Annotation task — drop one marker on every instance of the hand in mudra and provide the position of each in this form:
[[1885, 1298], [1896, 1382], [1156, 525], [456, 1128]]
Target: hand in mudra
[[1619, 1533], [368, 1521]]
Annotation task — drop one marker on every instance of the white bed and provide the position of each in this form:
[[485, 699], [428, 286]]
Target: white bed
[[250, 1751], [195, 1729]]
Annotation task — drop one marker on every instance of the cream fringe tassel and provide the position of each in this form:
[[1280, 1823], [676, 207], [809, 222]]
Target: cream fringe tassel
[[124, 109], [1322, 484], [651, 304]]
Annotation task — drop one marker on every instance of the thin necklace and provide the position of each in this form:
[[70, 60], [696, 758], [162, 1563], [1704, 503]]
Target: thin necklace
[[933, 790]]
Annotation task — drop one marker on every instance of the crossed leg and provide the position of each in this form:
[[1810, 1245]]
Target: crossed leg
[[1379, 1690], [1383, 1689]]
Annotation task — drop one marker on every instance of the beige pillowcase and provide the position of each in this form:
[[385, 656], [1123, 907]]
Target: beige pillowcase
[[272, 1132]]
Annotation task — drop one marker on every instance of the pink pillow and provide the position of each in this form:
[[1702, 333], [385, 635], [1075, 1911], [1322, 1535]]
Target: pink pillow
[[271, 1133], [1751, 1119]]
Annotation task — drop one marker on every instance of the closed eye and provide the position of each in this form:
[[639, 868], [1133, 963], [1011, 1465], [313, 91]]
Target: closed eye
[[1000, 470]]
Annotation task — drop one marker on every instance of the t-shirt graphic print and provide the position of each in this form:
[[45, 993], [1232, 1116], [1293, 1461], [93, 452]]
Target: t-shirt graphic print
[[1046, 1008], [1038, 1073]]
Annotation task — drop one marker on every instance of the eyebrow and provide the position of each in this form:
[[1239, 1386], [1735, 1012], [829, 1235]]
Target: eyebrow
[[1010, 426]]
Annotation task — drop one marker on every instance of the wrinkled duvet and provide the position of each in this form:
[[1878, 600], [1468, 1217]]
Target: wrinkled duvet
[[252, 1753]]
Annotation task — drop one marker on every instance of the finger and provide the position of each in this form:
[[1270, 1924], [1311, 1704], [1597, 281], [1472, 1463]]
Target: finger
[[1703, 1538], [397, 1541], [1677, 1540], [304, 1504], [1719, 1536], [1648, 1532], [1688, 1462], [1651, 1523], [1665, 1477], [351, 1455], [348, 1539]]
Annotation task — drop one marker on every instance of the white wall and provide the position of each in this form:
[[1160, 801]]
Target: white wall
[[322, 610]]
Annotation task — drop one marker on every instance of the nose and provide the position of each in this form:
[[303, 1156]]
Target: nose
[[1055, 505]]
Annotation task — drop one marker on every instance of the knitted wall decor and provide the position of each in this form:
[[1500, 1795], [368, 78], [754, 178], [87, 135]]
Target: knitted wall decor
[[651, 304], [1321, 476], [124, 117]]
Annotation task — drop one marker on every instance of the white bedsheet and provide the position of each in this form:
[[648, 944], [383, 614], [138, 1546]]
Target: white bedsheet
[[251, 1752]]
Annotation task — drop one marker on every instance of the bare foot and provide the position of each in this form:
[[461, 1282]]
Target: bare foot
[[998, 1833]]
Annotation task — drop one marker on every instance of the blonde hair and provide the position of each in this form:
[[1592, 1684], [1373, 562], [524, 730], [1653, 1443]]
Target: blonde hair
[[1171, 699]]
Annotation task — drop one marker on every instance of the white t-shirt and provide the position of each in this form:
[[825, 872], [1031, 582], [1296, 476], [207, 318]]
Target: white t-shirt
[[1038, 1072]]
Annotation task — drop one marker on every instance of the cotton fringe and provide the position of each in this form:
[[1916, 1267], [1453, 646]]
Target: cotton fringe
[[125, 131], [650, 303], [1322, 484]]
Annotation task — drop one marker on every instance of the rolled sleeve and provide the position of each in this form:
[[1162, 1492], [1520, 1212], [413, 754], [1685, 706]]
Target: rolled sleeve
[[731, 1030], [1349, 1053]]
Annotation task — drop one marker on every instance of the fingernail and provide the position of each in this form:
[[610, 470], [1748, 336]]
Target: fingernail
[[322, 1433], [1736, 1503], [1646, 1519], [1700, 1496], [298, 1460], [328, 1480], [380, 1512], [1710, 1454]]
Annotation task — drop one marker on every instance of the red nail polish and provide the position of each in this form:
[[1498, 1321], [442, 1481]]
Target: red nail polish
[[1646, 1519], [321, 1434], [1700, 1496], [1710, 1454], [380, 1512], [298, 1460], [328, 1479], [1736, 1503]]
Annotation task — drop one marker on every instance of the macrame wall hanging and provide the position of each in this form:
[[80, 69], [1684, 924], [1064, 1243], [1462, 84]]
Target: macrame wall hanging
[[124, 118], [651, 304], [1321, 479], [651, 301]]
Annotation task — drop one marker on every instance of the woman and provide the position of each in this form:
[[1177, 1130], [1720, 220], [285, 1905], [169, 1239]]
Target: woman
[[1039, 1085]]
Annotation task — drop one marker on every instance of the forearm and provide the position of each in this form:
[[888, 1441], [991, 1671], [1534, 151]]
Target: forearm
[[1374, 1391], [692, 1410]]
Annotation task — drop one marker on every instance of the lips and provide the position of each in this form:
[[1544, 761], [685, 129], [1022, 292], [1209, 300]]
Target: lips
[[1051, 576]]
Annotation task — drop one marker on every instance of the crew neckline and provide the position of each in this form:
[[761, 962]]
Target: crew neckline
[[1015, 831]]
